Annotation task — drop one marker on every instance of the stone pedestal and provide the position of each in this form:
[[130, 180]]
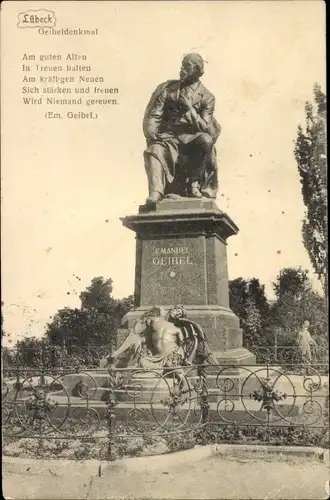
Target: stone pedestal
[[181, 258]]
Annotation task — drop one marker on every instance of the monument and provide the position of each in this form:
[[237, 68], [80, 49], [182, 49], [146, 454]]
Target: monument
[[170, 354], [181, 234]]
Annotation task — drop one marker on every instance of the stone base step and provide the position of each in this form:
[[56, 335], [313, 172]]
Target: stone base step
[[247, 412]]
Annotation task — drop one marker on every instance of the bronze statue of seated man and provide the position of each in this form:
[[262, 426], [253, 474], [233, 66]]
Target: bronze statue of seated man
[[181, 132]]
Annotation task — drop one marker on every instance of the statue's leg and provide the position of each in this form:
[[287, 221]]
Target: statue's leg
[[156, 178], [181, 381], [210, 186], [200, 151], [180, 185]]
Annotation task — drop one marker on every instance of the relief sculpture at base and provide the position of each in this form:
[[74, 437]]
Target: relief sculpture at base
[[160, 340]]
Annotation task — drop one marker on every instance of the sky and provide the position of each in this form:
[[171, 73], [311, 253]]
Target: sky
[[66, 183]]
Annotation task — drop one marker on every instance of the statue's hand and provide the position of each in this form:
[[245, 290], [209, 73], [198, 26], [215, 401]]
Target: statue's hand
[[139, 327], [153, 136], [137, 346], [185, 101]]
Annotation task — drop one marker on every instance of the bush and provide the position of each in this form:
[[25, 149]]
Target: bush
[[132, 442], [127, 442], [276, 436]]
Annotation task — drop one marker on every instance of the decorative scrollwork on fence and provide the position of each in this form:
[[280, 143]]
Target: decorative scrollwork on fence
[[268, 395], [45, 403], [168, 399], [53, 357], [154, 402], [289, 355]]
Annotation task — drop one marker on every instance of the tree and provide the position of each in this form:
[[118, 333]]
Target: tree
[[28, 352], [2, 330], [96, 321], [311, 156], [33, 352], [295, 303], [69, 326], [313, 307], [7, 356], [124, 305], [248, 301], [252, 324], [291, 283], [98, 295], [289, 287]]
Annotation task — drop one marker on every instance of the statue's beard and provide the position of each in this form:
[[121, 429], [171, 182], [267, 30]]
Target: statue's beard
[[176, 316], [188, 79]]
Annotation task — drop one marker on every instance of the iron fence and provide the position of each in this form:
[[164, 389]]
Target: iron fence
[[289, 354], [118, 406], [54, 356], [89, 356]]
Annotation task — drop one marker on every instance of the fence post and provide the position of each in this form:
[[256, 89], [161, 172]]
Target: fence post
[[275, 353], [326, 400], [42, 375], [204, 395], [111, 416], [17, 383]]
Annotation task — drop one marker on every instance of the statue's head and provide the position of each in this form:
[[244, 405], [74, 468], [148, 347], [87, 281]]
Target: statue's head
[[306, 324], [153, 312], [192, 67], [177, 312]]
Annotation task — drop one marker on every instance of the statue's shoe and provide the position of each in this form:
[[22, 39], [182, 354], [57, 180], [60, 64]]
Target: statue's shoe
[[209, 193], [155, 197], [173, 196], [195, 193]]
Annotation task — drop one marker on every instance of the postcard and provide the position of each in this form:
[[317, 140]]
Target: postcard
[[164, 250]]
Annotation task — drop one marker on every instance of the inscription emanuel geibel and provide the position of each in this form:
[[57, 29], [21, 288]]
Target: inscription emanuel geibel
[[171, 256]]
